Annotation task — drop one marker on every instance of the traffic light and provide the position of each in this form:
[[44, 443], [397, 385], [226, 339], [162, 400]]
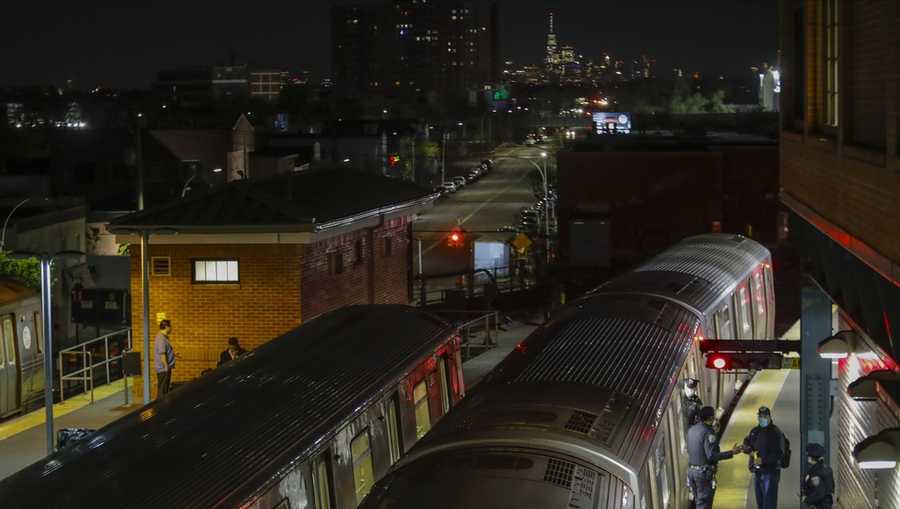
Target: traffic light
[[730, 361], [393, 160], [456, 238]]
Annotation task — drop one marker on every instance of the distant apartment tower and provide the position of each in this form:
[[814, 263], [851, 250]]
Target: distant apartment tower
[[552, 58], [355, 33], [407, 48], [266, 84]]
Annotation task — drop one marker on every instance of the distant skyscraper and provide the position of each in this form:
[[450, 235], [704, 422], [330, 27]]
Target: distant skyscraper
[[552, 59]]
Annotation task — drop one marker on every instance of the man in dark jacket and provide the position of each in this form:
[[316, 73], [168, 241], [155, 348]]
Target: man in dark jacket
[[692, 402], [766, 445], [233, 351], [703, 458], [818, 485]]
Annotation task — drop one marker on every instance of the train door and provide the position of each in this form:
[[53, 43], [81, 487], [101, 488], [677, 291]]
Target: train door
[[742, 308], [5, 405], [323, 481], [770, 299], [422, 409], [11, 372], [392, 425], [725, 329], [363, 466], [446, 384]]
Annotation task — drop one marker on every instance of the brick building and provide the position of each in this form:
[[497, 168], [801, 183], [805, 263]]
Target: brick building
[[255, 258], [623, 198], [840, 178]]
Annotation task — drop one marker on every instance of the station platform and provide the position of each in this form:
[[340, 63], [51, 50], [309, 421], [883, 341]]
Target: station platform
[[477, 367], [23, 441], [780, 391]]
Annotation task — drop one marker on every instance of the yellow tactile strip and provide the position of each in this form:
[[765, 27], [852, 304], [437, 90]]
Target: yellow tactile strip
[[37, 417]]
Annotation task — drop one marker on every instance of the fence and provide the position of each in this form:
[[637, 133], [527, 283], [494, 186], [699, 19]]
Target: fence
[[80, 366], [478, 333], [485, 282]]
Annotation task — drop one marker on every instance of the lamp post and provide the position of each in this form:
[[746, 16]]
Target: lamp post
[[546, 208], [444, 159], [6, 222], [46, 261]]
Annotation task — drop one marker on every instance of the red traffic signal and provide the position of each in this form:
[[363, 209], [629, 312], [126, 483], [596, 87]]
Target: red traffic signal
[[718, 361], [742, 360], [456, 238], [393, 160]]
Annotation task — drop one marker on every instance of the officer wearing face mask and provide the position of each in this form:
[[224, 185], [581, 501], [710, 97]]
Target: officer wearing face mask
[[818, 485], [769, 452], [692, 403], [704, 456]]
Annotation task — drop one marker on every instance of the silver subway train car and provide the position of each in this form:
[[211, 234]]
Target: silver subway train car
[[21, 350], [587, 411]]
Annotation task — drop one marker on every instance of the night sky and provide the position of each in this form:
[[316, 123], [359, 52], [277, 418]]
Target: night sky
[[123, 44]]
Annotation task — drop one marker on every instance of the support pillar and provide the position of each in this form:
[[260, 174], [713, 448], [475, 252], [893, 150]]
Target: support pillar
[[815, 372]]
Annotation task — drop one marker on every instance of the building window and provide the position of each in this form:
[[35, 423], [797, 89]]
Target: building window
[[363, 469], [216, 271], [336, 263], [832, 53], [359, 256], [388, 246], [160, 266], [423, 412]]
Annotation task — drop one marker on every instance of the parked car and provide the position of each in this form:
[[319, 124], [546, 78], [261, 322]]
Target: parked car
[[460, 182], [448, 187], [508, 229], [487, 165]]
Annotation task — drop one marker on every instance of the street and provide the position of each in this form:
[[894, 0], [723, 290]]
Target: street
[[480, 208]]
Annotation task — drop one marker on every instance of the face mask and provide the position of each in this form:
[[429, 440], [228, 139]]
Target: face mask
[[763, 422], [811, 460], [689, 393]]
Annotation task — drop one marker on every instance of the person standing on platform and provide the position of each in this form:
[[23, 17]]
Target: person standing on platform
[[703, 458], [818, 485], [164, 356], [769, 452]]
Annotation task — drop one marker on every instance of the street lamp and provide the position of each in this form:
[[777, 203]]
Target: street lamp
[[6, 222], [46, 260]]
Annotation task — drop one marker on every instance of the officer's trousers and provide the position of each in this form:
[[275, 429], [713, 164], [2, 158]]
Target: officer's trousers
[[765, 483], [702, 486]]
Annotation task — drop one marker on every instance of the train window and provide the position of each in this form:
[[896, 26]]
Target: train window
[[423, 412], [723, 323], [38, 332], [392, 422], [662, 471], [758, 296], [363, 469], [322, 481], [9, 339], [744, 312], [445, 385]]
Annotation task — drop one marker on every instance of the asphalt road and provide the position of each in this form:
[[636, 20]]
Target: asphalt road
[[480, 207]]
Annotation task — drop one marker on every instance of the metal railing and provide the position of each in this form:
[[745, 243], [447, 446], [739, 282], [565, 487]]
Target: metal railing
[[99, 349], [479, 333], [434, 289]]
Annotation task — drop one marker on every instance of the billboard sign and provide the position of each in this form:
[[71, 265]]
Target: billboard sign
[[612, 123]]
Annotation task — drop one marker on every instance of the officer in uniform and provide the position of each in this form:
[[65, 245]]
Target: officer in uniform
[[703, 458], [692, 402], [818, 486], [768, 448]]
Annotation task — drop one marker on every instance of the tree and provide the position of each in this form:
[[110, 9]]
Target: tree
[[26, 271]]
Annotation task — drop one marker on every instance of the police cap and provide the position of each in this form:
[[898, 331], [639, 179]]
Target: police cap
[[764, 411], [690, 383], [815, 450], [707, 413]]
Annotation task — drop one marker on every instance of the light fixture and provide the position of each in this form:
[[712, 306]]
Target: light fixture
[[836, 347], [879, 452], [865, 388], [543, 154], [217, 170]]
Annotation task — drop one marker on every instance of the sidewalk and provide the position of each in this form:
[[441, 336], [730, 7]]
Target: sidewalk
[[780, 391], [23, 440], [477, 367]]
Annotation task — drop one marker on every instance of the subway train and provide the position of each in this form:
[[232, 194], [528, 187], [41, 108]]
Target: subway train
[[587, 411], [311, 419], [21, 355]]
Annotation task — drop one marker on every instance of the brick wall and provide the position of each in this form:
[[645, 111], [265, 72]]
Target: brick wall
[[323, 291], [858, 196], [262, 306]]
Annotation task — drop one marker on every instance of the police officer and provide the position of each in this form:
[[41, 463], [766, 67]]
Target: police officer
[[692, 402], [767, 447], [703, 458], [818, 486]]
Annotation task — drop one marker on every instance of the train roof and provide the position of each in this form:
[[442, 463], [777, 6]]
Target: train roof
[[610, 360], [698, 271], [227, 436]]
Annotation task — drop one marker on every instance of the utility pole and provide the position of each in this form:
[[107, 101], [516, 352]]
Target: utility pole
[[145, 304], [47, 313], [444, 160], [139, 155]]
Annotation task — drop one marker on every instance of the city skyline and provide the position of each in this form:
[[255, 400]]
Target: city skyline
[[70, 46]]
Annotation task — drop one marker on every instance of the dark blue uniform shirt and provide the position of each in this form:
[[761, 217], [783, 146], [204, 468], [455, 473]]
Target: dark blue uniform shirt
[[703, 446]]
